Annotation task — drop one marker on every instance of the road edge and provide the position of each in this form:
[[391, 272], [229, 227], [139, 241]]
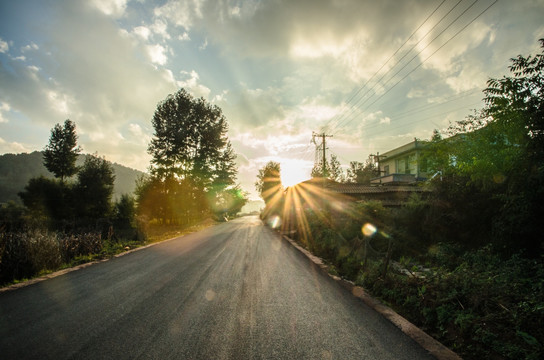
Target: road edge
[[58, 273], [433, 346]]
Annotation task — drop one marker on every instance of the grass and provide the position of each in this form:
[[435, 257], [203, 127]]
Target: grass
[[48, 247]]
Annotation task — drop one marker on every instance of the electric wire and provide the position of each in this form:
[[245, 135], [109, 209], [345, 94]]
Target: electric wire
[[355, 106], [387, 61], [426, 59]]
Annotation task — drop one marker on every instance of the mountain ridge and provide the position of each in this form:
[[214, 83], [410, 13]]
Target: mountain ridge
[[17, 169]]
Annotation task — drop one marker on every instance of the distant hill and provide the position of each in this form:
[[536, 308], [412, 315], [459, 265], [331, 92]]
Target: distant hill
[[17, 169]]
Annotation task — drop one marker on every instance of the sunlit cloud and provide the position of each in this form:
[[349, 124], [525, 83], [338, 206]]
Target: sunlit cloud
[[12, 147], [181, 13], [4, 107], [157, 54], [160, 27], [184, 37], [4, 47], [142, 31], [191, 82], [30, 47], [115, 8]]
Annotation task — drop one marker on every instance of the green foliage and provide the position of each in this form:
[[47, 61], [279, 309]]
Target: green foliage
[[332, 169], [61, 153], [228, 203], [16, 170], [483, 306], [192, 161], [335, 170], [11, 216], [94, 188], [48, 201], [361, 173], [491, 184], [25, 254], [271, 190], [268, 182], [190, 141]]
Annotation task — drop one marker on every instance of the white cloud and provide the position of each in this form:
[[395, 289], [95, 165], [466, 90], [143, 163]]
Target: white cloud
[[142, 32], [12, 147], [184, 37], [191, 83], [181, 13], [30, 47], [4, 47], [59, 102], [160, 28], [4, 107], [114, 8], [138, 135], [157, 54]]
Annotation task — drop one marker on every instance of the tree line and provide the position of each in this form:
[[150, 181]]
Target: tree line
[[192, 177]]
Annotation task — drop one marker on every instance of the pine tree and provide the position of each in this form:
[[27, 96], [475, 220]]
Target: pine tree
[[61, 153]]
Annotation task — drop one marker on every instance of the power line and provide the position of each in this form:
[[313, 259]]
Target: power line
[[425, 60], [389, 59], [353, 107]]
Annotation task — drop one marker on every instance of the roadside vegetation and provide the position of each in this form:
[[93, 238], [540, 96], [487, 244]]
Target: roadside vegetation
[[73, 218], [465, 262]]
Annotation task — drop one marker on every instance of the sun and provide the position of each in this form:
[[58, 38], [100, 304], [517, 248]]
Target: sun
[[293, 172]]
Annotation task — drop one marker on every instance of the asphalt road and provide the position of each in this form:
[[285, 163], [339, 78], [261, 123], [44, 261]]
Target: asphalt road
[[233, 291]]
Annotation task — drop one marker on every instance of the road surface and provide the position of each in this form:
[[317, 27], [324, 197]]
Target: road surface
[[233, 291]]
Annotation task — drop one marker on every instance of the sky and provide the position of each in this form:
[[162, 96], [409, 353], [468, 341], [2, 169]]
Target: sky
[[372, 74]]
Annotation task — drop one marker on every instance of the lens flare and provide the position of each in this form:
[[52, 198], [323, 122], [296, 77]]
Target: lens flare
[[274, 221], [369, 229]]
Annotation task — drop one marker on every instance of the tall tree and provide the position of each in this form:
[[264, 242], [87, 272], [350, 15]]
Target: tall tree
[[190, 141], [320, 169], [192, 159], [335, 170], [94, 188], [268, 182], [61, 153], [331, 168], [270, 188]]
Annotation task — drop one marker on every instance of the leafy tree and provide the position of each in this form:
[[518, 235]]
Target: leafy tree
[[48, 201], [192, 159], [493, 162], [335, 170], [94, 188], [270, 188], [190, 141], [268, 182], [61, 153], [331, 168], [320, 169], [11, 216], [229, 202], [361, 173]]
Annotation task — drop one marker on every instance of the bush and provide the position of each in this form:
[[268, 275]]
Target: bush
[[27, 253], [484, 307]]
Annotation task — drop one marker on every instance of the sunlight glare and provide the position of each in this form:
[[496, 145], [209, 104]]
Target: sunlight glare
[[292, 172]]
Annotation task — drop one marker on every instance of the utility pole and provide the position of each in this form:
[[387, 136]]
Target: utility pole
[[377, 159], [323, 136]]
